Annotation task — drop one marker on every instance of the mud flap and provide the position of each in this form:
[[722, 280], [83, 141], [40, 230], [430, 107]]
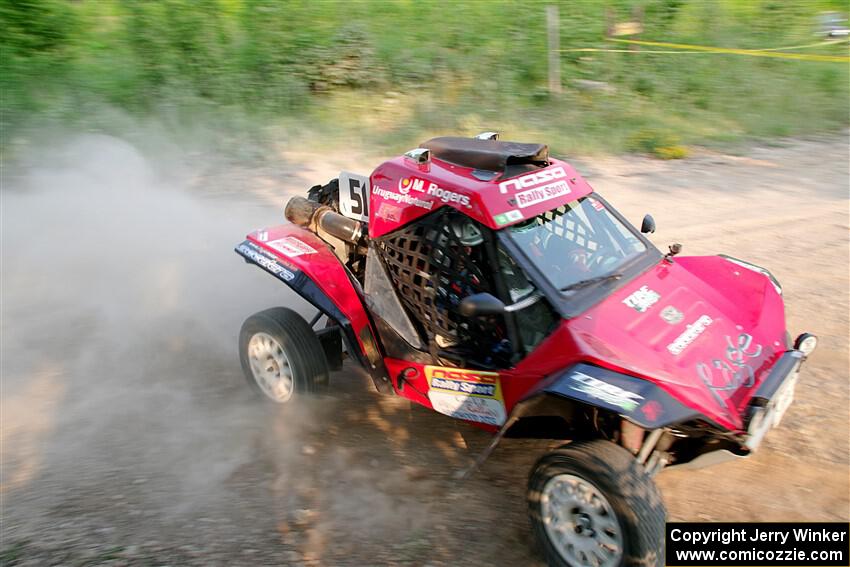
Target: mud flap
[[331, 340]]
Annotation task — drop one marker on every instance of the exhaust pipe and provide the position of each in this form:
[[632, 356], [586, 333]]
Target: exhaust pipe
[[314, 216]]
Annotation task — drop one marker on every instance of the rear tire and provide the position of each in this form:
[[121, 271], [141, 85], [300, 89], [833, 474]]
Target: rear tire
[[281, 356], [592, 498]]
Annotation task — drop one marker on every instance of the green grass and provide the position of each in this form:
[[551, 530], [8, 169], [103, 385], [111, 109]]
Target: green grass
[[390, 73]]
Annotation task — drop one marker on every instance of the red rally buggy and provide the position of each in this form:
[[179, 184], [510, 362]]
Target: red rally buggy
[[486, 280]]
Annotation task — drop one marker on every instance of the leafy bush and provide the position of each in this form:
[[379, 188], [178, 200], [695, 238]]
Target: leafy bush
[[330, 64], [672, 152], [658, 143]]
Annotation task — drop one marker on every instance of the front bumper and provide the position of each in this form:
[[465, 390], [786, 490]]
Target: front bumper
[[772, 398]]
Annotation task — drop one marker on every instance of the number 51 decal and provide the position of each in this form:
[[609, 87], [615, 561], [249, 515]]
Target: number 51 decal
[[354, 191]]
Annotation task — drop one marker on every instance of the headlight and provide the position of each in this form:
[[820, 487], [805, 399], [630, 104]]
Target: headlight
[[806, 343]]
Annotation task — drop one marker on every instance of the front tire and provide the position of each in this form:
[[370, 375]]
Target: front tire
[[591, 503], [281, 356]]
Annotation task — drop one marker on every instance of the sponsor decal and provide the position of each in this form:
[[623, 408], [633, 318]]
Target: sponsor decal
[[596, 204], [672, 315], [463, 387], [389, 212], [466, 394], [405, 199], [689, 335], [261, 258], [608, 393], [532, 179], [539, 194], [642, 299], [291, 246], [734, 369], [406, 184], [652, 410], [447, 196], [505, 218]]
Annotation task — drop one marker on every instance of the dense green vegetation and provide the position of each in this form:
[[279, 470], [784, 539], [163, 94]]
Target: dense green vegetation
[[390, 72]]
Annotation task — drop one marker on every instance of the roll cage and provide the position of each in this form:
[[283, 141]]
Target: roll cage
[[431, 271]]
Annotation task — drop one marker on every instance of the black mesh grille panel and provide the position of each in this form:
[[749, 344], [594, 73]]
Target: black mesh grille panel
[[433, 271]]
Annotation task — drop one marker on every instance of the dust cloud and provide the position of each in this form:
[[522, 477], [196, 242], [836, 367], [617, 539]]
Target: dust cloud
[[122, 300], [126, 422]]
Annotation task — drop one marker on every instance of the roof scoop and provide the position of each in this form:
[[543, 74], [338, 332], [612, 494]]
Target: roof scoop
[[487, 153]]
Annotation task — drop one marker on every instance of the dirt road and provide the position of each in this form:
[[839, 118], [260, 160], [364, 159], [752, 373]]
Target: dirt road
[[129, 437]]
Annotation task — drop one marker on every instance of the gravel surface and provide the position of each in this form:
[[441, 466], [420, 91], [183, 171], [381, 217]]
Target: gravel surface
[[129, 437]]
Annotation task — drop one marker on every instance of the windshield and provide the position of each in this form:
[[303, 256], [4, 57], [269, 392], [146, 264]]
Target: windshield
[[577, 243]]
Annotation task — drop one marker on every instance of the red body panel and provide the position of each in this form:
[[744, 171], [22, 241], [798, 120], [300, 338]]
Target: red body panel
[[704, 329], [403, 191], [315, 258], [716, 374]]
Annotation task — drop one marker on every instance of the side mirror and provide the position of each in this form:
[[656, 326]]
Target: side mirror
[[648, 224], [481, 304]]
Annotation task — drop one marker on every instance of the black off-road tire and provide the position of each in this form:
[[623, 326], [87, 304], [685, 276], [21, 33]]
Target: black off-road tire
[[306, 358], [632, 494]]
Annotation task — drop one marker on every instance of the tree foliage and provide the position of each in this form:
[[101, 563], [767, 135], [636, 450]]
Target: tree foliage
[[283, 57]]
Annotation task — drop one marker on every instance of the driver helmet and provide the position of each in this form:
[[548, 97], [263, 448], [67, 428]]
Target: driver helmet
[[466, 232]]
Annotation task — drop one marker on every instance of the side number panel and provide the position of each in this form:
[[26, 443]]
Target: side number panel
[[354, 192]]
